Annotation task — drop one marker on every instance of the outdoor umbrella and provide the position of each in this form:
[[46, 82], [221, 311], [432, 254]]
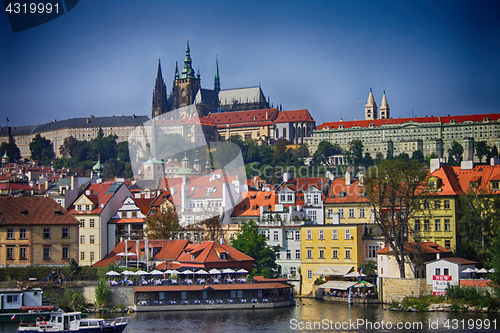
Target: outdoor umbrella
[[491, 270], [113, 273], [228, 271], [156, 272], [355, 274], [141, 272], [201, 272], [363, 284], [128, 273], [128, 254], [214, 271], [242, 271], [468, 270], [482, 271]]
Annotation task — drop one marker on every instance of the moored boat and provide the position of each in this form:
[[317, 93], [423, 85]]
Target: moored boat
[[73, 322]]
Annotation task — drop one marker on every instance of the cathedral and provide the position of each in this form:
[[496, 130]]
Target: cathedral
[[186, 90]]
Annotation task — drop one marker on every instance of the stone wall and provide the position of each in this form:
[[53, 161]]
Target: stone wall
[[396, 289], [120, 296]]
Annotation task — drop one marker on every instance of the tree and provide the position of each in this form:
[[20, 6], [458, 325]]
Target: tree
[[367, 160], [74, 268], [324, 151], [280, 150], [354, 153], [253, 244], [482, 149], [301, 152], [395, 194], [12, 151], [41, 150], [455, 153], [102, 293], [418, 156], [162, 225], [494, 152], [69, 146]]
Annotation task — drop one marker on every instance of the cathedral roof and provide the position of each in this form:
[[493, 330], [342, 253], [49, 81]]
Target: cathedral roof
[[293, 116], [241, 95], [244, 117]]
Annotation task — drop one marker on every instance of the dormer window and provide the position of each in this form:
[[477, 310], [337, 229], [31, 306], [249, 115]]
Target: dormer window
[[494, 185], [222, 256], [192, 256]]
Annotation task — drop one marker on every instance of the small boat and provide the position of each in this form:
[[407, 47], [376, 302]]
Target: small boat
[[73, 322]]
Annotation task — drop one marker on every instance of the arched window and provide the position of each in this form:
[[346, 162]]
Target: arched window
[[277, 133], [284, 133]]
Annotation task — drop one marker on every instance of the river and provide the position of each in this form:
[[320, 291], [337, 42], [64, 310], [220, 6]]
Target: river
[[308, 316]]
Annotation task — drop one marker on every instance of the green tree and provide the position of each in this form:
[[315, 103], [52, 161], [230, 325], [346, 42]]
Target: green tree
[[418, 156], [102, 293], [74, 269], [494, 151], [482, 149], [324, 151], [253, 244], [367, 160], [162, 225], [68, 148], [41, 150], [354, 153], [301, 152], [455, 153], [280, 155], [395, 194], [12, 151]]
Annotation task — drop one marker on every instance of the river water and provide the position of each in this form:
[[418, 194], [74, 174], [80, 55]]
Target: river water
[[307, 316]]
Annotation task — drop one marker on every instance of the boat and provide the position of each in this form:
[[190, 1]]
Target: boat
[[73, 322]]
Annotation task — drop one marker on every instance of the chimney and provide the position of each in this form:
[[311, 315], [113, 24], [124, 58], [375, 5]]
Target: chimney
[[73, 183], [467, 165], [222, 240], [435, 164], [438, 256], [494, 161], [348, 178]]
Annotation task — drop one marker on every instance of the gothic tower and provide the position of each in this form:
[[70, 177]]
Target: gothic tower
[[159, 95], [217, 78], [370, 107], [187, 84], [385, 111]]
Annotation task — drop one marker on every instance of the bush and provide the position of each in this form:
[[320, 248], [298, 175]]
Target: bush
[[472, 295], [102, 293]]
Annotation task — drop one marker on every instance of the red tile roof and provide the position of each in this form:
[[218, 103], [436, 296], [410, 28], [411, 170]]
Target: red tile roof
[[293, 116], [253, 200], [397, 121], [16, 186], [244, 117], [33, 210], [422, 247], [461, 261], [449, 183], [340, 193], [98, 196], [482, 173]]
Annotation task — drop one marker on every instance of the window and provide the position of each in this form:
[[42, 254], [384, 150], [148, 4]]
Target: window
[[78, 207], [10, 253], [82, 223], [297, 254], [341, 213], [446, 271], [297, 235], [437, 225], [446, 204], [293, 270], [91, 223], [361, 212], [91, 255], [335, 254], [82, 239], [372, 249], [447, 226], [289, 197], [289, 235], [348, 254], [309, 254], [321, 234], [309, 235], [278, 255], [82, 256], [46, 233], [322, 254], [437, 204], [124, 215], [312, 214], [65, 252], [417, 225], [222, 256], [22, 253], [91, 239], [10, 233], [276, 235], [351, 212], [316, 199], [427, 225], [329, 213], [447, 244], [46, 252], [426, 204], [65, 233], [12, 298], [348, 234], [282, 197], [335, 234], [22, 233], [437, 271], [288, 254], [309, 274]]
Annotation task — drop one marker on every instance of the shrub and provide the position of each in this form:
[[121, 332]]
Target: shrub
[[102, 293]]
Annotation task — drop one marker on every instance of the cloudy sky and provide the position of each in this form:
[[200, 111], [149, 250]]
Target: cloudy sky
[[100, 58]]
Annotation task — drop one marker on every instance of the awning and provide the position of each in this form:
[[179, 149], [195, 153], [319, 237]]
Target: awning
[[337, 285], [333, 270]]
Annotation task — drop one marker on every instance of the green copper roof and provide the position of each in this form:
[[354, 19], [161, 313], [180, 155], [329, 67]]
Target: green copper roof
[[5, 155], [187, 72]]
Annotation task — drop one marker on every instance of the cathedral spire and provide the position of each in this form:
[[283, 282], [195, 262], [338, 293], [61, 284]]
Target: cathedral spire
[[384, 108], [217, 78], [159, 94], [176, 70], [187, 72]]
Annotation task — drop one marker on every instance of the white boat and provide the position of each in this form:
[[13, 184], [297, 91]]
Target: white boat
[[72, 322]]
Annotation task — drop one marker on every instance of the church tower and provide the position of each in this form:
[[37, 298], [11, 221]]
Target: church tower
[[385, 111], [159, 95], [217, 78], [370, 107], [187, 84]]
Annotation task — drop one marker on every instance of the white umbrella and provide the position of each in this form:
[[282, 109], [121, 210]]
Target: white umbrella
[[168, 271], [113, 273], [187, 271], [128, 273], [141, 272], [227, 270], [156, 272], [482, 271], [242, 271], [201, 271], [214, 271], [491, 270], [128, 254], [468, 270], [355, 274]]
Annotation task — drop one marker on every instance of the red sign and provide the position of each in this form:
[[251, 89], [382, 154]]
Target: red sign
[[441, 277]]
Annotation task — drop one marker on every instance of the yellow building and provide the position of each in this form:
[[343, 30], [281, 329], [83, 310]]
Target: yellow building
[[36, 231], [331, 251]]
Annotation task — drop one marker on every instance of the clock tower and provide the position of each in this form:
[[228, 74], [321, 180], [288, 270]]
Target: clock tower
[[187, 84]]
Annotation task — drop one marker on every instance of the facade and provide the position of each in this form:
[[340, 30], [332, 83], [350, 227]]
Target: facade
[[36, 231], [451, 266], [330, 251], [94, 208]]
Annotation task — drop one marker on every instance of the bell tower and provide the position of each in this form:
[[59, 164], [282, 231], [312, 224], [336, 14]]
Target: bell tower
[[385, 111], [370, 107], [187, 84]]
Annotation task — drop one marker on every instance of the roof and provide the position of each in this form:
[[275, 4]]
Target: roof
[[456, 260], [16, 186], [100, 194], [398, 121], [482, 173], [425, 247], [253, 200], [341, 193], [449, 183], [241, 96], [293, 116], [34, 210], [208, 252], [254, 117]]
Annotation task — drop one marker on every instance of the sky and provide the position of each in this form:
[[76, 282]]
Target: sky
[[430, 57]]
